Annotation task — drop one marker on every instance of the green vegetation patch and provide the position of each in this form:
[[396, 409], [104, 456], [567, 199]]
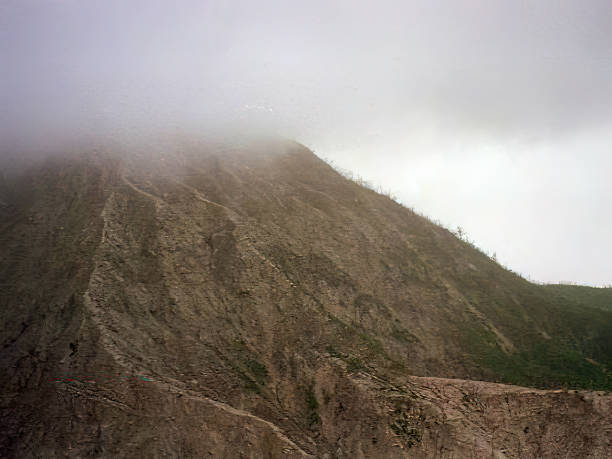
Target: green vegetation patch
[[312, 405], [403, 336], [258, 370], [541, 363], [354, 364]]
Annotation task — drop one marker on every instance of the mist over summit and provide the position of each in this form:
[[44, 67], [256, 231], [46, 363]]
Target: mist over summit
[[494, 117]]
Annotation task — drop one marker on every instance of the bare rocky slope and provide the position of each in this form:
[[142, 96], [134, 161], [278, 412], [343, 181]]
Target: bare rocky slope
[[219, 301]]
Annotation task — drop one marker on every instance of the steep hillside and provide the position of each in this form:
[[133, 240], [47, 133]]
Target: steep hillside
[[244, 300]]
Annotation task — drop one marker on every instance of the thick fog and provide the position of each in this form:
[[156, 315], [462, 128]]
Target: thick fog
[[495, 116]]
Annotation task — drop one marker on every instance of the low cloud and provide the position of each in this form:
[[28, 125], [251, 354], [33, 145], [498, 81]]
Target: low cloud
[[492, 115]]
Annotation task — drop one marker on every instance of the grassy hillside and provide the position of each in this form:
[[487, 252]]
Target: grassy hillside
[[594, 297]]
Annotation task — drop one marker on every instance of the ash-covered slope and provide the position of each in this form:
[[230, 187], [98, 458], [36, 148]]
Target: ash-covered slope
[[252, 301]]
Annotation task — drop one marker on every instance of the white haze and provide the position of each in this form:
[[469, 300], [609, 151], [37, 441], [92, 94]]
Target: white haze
[[496, 116]]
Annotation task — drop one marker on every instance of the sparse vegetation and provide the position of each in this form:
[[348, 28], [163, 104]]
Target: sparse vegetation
[[403, 335], [332, 351], [312, 404], [408, 427], [354, 364]]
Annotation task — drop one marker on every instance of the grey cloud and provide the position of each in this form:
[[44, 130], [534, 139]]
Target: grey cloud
[[483, 99]]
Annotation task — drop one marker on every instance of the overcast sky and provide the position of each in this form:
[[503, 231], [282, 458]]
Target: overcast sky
[[496, 116]]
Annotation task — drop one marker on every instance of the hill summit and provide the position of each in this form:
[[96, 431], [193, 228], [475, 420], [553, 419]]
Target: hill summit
[[249, 301]]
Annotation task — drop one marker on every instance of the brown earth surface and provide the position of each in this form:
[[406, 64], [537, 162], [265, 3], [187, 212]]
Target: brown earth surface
[[225, 301]]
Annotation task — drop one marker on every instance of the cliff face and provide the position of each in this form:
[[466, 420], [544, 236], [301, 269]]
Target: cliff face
[[229, 301]]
